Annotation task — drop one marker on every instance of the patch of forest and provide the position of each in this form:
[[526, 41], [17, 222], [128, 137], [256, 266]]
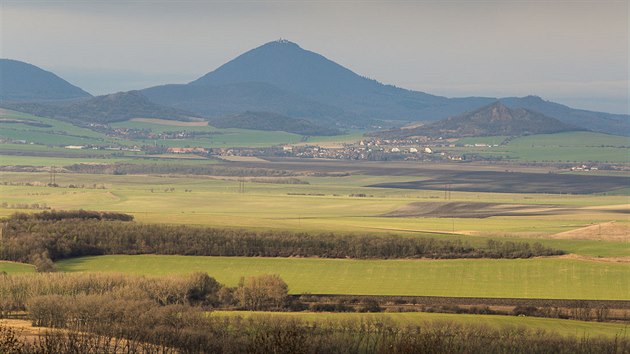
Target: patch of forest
[[166, 168], [114, 313], [42, 238]]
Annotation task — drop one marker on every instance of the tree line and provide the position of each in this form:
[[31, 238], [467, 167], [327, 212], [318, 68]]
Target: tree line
[[166, 168], [53, 235], [109, 313], [51, 298]]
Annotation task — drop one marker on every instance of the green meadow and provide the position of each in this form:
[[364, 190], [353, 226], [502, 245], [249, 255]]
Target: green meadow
[[559, 326], [14, 268], [560, 147], [60, 133], [553, 278]]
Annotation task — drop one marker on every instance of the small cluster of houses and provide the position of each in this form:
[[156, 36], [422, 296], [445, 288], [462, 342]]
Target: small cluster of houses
[[113, 148], [584, 168], [187, 150], [135, 133]]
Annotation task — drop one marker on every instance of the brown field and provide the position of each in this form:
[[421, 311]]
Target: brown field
[[608, 231], [175, 123], [486, 210], [25, 329], [474, 210], [465, 177], [515, 182]]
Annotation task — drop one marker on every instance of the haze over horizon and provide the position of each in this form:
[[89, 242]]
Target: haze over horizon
[[575, 53]]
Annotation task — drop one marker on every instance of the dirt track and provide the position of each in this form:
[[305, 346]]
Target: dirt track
[[608, 231]]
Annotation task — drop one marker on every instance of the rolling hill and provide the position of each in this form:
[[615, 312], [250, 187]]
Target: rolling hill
[[20, 81], [102, 109], [283, 78], [298, 83], [491, 120], [272, 122]]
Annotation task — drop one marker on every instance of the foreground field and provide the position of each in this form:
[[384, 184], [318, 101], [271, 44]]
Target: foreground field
[[562, 327], [551, 278]]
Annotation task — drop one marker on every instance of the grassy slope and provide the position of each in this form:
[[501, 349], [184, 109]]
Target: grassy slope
[[522, 278], [232, 137], [13, 268], [562, 327], [561, 147], [59, 133]]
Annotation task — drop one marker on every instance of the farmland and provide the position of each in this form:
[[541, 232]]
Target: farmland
[[531, 278], [326, 204], [57, 133], [583, 215], [560, 147]]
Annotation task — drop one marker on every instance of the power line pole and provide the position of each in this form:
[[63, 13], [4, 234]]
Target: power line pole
[[241, 185], [52, 181]]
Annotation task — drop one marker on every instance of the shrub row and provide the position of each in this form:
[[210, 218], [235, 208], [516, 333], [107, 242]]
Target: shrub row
[[59, 235]]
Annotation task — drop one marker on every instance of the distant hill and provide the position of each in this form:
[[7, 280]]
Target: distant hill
[[283, 78], [617, 124], [21, 81], [102, 109], [272, 122], [298, 83], [491, 120], [218, 101]]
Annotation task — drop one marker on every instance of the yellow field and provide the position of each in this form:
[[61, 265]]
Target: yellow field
[[323, 205]]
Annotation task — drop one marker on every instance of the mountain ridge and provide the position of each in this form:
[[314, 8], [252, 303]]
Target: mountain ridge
[[102, 109], [282, 78], [302, 76], [21, 81], [272, 122], [492, 120]]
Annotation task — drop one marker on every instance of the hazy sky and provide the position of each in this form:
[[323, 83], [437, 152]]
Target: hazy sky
[[572, 52]]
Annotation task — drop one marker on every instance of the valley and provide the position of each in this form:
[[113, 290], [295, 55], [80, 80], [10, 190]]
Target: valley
[[284, 203]]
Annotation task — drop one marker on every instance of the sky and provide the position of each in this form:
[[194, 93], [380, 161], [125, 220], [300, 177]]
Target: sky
[[572, 52]]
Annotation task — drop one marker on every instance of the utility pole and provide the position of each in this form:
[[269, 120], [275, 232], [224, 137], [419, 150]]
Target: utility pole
[[52, 181], [241, 184]]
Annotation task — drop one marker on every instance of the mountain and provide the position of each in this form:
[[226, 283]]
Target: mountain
[[272, 122], [618, 124], [21, 81], [283, 78], [490, 120], [102, 109], [296, 82], [218, 101]]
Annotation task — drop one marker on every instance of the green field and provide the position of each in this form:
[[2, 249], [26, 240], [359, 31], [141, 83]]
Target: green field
[[522, 278], [216, 202], [562, 327], [58, 133], [61, 133], [561, 147], [13, 268]]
